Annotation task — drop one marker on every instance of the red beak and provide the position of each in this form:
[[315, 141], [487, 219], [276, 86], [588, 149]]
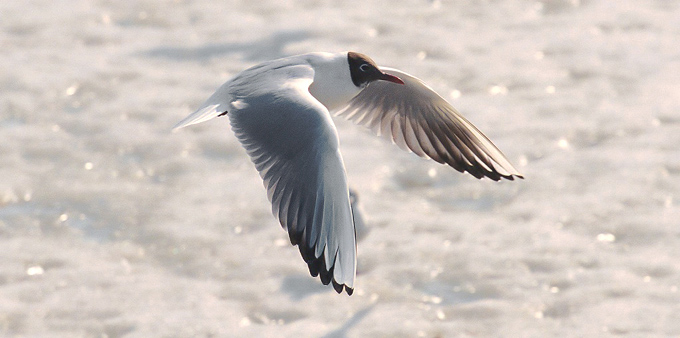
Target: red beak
[[391, 78]]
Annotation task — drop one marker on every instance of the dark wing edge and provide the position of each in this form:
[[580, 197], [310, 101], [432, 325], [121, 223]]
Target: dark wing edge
[[303, 173], [416, 118]]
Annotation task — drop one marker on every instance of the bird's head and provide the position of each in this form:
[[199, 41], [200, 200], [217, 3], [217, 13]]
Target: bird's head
[[364, 71]]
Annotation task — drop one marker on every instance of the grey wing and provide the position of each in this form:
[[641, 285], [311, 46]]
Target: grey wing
[[292, 142], [416, 118]]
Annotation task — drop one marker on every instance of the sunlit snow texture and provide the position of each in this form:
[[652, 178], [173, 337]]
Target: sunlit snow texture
[[113, 226]]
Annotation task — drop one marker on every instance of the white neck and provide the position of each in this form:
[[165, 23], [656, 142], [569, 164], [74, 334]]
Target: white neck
[[332, 85]]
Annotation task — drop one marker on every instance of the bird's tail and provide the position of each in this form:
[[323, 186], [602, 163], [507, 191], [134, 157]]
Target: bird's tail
[[216, 105]]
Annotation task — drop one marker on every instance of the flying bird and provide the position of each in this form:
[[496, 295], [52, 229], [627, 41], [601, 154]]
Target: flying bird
[[280, 111]]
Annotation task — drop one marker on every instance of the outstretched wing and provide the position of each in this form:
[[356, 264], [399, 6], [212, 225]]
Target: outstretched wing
[[293, 143], [415, 117]]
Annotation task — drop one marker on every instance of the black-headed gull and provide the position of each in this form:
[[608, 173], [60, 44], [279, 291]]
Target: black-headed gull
[[281, 110]]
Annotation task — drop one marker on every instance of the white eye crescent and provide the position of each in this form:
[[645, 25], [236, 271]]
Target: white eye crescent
[[364, 68]]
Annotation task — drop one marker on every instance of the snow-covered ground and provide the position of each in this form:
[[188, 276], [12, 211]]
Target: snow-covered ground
[[111, 225]]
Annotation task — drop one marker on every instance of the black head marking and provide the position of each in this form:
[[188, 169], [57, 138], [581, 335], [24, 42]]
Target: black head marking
[[362, 69]]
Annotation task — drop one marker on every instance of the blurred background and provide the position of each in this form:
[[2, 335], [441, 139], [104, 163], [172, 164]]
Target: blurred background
[[112, 226]]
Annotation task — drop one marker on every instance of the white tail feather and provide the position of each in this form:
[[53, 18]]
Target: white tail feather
[[213, 107], [204, 114]]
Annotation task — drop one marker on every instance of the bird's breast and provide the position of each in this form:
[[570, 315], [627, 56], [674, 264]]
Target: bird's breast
[[333, 94]]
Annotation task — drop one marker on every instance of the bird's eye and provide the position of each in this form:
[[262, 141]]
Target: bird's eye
[[364, 68]]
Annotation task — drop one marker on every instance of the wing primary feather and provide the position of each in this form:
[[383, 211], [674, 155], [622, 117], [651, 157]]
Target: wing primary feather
[[285, 206], [338, 287], [454, 158], [361, 118], [316, 238], [325, 274], [303, 224], [410, 137], [331, 237], [428, 143], [398, 135], [476, 148], [292, 212], [484, 149], [386, 123], [467, 151]]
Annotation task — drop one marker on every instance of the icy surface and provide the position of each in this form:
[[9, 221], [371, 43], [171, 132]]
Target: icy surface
[[111, 225]]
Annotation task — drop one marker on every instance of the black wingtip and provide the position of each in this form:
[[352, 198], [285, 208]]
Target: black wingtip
[[326, 276], [492, 175], [338, 287], [510, 177], [317, 267]]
